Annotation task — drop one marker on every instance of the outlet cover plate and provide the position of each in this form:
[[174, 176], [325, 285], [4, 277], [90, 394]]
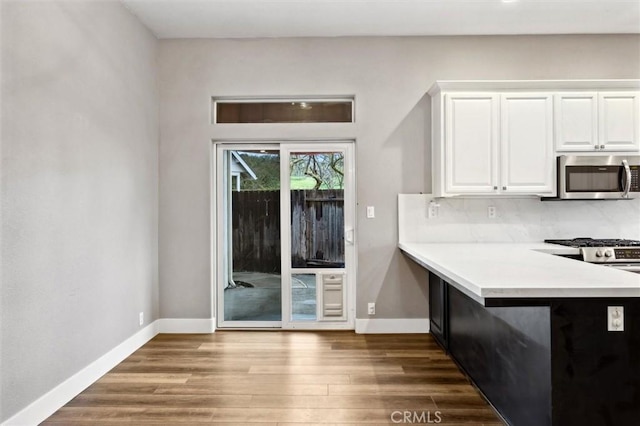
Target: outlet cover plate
[[615, 318], [371, 309]]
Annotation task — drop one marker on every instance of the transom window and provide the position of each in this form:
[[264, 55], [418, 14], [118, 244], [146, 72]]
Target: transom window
[[335, 110]]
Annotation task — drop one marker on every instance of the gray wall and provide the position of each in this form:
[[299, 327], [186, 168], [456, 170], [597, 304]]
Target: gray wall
[[389, 77], [79, 189]]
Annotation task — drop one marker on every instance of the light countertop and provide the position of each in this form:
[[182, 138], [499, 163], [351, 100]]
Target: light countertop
[[520, 270]]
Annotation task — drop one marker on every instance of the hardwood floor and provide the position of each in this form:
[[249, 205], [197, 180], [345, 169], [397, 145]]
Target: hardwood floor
[[281, 378]]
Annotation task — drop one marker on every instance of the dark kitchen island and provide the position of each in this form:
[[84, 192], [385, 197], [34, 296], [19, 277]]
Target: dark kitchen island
[[541, 353]]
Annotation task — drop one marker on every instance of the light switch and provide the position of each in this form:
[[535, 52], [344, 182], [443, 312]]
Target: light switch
[[371, 212]]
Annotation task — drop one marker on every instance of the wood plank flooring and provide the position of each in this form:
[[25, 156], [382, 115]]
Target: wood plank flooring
[[280, 378]]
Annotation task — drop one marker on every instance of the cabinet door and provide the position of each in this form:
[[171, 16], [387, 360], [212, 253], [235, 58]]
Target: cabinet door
[[438, 308], [576, 121], [619, 121], [527, 165], [471, 141]]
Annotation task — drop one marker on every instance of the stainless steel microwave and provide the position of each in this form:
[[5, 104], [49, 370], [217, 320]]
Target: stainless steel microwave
[[598, 177]]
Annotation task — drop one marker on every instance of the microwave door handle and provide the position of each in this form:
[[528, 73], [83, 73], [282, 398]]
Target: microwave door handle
[[627, 181]]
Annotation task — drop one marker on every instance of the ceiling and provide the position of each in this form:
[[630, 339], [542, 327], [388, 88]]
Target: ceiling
[[331, 18]]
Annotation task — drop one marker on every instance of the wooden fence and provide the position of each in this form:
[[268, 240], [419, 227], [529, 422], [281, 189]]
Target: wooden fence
[[317, 229]]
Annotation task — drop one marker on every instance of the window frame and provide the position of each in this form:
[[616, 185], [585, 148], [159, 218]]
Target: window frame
[[215, 100]]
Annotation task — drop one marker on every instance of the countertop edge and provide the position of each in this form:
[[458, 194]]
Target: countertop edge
[[479, 293], [467, 288]]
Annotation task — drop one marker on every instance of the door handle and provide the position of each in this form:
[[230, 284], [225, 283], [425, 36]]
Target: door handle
[[348, 236], [627, 181]]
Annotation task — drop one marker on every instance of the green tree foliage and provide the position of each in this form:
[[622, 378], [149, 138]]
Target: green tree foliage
[[308, 171], [266, 166]]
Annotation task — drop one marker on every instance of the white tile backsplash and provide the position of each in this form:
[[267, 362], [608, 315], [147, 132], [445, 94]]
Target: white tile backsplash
[[517, 219]]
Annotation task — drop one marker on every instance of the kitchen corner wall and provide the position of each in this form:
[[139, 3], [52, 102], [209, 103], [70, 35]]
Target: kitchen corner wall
[[79, 189], [389, 78]]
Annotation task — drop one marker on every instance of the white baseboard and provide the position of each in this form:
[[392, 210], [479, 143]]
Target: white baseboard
[[187, 325], [57, 397], [392, 325]]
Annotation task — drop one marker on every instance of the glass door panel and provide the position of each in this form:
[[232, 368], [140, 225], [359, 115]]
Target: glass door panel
[[315, 180], [252, 272], [304, 301], [316, 185]]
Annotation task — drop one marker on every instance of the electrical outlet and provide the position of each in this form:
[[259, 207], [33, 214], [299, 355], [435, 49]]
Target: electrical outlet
[[615, 318], [371, 212], [141, 318], [432, 209], [491, 212], [371, 309]]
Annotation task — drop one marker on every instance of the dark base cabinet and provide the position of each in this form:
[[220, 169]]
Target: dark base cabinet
[[544, 362], [506, 353], [438, 309], [596, 373]]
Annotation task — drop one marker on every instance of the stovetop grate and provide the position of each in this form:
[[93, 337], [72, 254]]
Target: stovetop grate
[[591, 242]]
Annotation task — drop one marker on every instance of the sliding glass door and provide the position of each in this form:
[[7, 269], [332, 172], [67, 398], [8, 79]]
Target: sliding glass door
[[285, 239]]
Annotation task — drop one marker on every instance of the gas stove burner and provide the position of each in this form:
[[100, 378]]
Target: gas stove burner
[[591, 242], [619, 243]]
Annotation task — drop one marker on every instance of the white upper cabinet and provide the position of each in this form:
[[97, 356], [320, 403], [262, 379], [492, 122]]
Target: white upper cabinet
[[526, 148], [597, 121], [619, 121], [494, 144], [471, 143], [576, 119]]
